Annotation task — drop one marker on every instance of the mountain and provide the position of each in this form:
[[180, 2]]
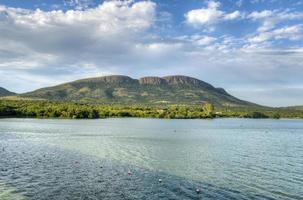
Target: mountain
[[299, 107], [5, 92], [118, 89], [294, 107]]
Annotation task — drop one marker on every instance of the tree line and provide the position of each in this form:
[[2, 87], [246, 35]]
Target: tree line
[[47, 109]]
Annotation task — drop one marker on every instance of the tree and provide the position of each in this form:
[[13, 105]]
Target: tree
[[276, 115], [257, 115], [208, 109]]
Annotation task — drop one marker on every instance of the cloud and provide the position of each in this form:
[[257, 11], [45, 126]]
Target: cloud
[[271, 18], [108, 18], [72, 35], [205, 40], [204, 16], [209, 15], [78, 4], [290, 33], [275, 25], [197, 39], [231, 16], [260, 15]]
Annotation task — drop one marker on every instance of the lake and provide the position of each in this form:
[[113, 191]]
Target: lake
[[125, 158]]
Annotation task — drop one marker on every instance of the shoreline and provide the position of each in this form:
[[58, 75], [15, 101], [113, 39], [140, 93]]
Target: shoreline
[[214, 118]]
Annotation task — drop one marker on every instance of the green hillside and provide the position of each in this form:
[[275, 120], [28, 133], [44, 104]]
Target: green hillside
[[5, 92], [118, 89]]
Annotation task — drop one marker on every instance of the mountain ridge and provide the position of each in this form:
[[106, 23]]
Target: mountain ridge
[[121, 89], [152, 80], [294, 107], [5, 92]]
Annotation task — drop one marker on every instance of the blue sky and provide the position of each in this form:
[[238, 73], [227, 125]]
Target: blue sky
[[252, 48]]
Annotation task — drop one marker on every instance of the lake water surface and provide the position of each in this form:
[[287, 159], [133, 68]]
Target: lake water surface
[[125, 158]]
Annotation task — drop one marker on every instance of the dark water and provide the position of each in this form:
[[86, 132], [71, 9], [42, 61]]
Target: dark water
[[90, 159]]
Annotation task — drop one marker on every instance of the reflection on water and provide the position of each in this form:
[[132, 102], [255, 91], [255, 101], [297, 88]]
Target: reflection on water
[[90, 159]]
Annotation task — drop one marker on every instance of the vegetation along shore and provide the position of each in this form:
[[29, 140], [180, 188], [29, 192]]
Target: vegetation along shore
[[49, 109]]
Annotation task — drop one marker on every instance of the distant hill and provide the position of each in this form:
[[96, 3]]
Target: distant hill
[[119, 89], [295, 107], [4, 92]]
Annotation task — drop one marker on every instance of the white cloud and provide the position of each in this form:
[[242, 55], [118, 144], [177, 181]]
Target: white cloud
[[72, 35], [271, 18], [209, 15], [213, 4], [231, 16], [78, 4], [205, 40], [197, 40], [159, 49], [108, 17], [290, 32], [275, 25], [260, 15], [204, 15]]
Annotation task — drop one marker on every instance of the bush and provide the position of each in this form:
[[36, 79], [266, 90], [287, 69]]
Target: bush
[[276, 116], [256, 115]]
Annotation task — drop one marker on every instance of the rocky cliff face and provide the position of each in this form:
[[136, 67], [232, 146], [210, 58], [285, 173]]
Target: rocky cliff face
[[110, 79], [181, 80], [149, 80], [152, 80], [187, 81], [174, 80]]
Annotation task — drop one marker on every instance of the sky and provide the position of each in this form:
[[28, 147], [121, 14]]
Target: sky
[[252, 48]]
